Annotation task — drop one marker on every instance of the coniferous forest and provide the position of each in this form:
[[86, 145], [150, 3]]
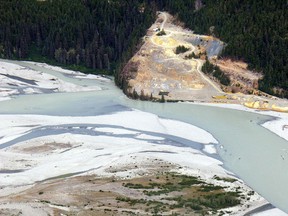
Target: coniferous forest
[[104, 34], [255, 31], [94, 34]]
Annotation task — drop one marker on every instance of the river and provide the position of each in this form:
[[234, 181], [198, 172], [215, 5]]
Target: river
[[249, 150]]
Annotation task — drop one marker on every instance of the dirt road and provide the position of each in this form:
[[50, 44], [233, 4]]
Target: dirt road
[[174, 37]]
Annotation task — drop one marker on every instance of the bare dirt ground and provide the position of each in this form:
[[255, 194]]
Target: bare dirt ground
[[161, 69], [142, 195], [243, 80], [157, 68]]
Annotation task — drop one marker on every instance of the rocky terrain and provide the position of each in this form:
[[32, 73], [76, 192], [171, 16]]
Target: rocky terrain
[[157, 67], [108, 163], [168, 67]]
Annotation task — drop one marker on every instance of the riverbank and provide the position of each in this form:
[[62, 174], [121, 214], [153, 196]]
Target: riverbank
[[276, 126], [104, 147], [120, 143], [168, 67], [25, 80]]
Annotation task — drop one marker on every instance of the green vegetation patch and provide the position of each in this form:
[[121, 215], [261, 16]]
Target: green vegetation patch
[[181, 49], [192, 56], [161, 33], [215, 71], [231, 180], [180, 192]]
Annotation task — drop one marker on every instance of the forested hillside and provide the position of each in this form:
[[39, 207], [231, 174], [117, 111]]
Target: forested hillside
[[255, 31], [94, 34], [101, 34]]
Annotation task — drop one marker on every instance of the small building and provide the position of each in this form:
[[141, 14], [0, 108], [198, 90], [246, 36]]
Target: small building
[[164, 93]]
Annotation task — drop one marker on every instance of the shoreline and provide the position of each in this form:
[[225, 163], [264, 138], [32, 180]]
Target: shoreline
[[150, 137], [275, 125], [163, 152]]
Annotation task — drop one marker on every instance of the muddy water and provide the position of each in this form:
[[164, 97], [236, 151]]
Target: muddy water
[[249, 150]]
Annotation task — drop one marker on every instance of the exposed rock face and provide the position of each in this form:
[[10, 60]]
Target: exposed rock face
[[159, 67], [243, 80], [168, 67]]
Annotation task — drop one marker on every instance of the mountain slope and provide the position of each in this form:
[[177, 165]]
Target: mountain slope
[[91, 33], [255, 31]]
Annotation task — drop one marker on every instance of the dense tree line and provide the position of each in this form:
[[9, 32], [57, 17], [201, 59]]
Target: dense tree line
[[181, 49], [255, 31], [93, 33], [103, 34], [215, 71]]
